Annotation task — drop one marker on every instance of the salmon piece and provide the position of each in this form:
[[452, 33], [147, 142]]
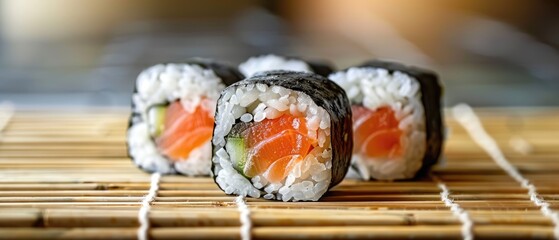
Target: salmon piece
[[185, 145], [183, 131], [376, 133], [281, 167], [384, 143], [174, 111], [275, 145], [268, 127], [267, 152]]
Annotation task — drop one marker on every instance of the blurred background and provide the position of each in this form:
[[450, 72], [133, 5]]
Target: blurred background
[[75, 53]]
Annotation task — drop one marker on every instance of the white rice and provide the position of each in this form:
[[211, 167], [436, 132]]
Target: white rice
[[309, 179], [270, 62], [165, 83], [374, 88]]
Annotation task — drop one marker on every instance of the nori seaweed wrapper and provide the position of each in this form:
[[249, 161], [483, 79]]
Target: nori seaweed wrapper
[[431, 93], [225, 72], [321, 68], [325, 94]]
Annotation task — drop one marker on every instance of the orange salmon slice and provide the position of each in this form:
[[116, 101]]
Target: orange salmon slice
[[183, 131], [376, 133], [275, 145]]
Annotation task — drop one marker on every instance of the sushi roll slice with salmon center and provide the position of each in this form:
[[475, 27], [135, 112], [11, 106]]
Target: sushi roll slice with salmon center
[[172, 116], [282, 135], [397, 123]]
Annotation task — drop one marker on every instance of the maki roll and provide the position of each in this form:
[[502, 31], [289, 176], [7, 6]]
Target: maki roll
[[271, 62], [282, 135], [397, 123], [172, 116]]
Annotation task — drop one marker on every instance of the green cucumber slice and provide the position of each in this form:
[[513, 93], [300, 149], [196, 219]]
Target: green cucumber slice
[[156, 120], [236, 148]]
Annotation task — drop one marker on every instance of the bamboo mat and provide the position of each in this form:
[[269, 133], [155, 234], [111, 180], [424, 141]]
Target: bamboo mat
[[65, 175]]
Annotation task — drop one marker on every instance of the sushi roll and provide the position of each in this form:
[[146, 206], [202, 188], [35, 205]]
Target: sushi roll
[[397, 123], [172, 116], [271, 62], [282, 135]]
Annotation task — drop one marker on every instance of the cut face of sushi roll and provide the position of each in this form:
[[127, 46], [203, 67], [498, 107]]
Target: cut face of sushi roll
[[281, 135], [396, 119], [271, 62], [172, 116]]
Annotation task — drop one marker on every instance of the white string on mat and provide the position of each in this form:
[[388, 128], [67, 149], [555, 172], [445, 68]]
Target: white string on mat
[[143, 214], [6, 114], [246, 224], [462, 215], [470, 121]]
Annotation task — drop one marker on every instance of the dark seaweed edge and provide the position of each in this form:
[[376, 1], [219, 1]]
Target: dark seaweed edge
[[431, 98], [321, 68], [324, 93], [225, 72]]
